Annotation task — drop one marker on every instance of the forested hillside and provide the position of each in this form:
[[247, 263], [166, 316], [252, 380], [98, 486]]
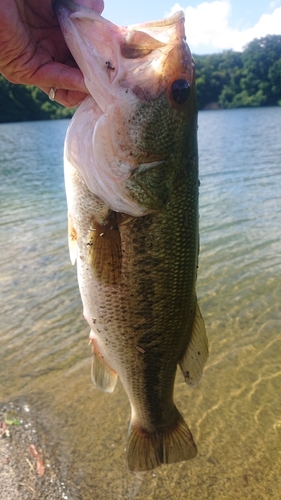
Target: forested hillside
[[241, 79], [226, 80], [21, 103]]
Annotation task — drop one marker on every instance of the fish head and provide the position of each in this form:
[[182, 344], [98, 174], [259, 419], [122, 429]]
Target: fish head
[[129, 137]]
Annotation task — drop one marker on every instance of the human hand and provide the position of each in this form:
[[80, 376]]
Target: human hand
[[33, 50]]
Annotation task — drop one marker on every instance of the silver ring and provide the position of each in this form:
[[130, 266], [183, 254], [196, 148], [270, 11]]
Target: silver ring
[[52, 93]]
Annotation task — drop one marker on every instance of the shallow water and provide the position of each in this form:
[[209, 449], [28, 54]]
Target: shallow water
[[235, 413]]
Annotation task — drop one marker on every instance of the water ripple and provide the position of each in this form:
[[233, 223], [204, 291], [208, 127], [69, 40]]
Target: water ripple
[[235, 412]]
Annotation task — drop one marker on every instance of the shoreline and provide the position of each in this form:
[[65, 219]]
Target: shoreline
[[27, 469]]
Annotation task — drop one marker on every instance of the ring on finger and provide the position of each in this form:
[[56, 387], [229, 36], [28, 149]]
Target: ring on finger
[[52, 93]]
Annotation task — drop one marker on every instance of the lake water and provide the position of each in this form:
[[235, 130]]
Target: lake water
[[235, 413]]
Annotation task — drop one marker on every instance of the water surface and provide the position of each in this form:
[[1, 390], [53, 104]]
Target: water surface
[[235, 413]]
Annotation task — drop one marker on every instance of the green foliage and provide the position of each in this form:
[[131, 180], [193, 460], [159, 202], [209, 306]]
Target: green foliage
[[22, 103], [241, 79], [227, 80]]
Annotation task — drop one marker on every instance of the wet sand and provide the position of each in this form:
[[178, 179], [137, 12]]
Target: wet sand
[[20, 478], [8, 478]]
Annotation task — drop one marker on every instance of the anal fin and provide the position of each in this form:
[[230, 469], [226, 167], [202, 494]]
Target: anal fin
[[103, 376], [194, 359]]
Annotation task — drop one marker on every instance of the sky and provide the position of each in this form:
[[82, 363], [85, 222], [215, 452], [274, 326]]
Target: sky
[[211, 26]]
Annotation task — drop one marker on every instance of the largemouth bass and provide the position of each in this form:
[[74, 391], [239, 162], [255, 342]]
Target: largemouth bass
[[131, 175]]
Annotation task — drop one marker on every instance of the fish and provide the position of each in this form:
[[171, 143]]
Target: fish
[[131, 177]]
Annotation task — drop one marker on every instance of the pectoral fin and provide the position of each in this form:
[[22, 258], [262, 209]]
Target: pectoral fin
[[72, 240], [104, 249], [194, 359]]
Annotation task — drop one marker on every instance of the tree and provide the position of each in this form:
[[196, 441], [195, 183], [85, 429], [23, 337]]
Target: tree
[[22, 103], [241, 79]]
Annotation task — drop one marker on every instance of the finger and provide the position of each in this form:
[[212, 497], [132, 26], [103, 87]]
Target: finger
[[57, 75]]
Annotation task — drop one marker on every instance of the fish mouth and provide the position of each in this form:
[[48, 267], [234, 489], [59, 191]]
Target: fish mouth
[[119, 62], [129, 73]]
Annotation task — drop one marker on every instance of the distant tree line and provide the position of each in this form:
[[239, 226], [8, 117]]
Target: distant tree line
[[22, 103], [226, 80], [241, 79]]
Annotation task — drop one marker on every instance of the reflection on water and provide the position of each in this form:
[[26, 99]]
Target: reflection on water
[[235, 413]]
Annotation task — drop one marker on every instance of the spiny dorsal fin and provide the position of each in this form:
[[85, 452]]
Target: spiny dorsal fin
[[103, 376], [104, 249], [194, 358]]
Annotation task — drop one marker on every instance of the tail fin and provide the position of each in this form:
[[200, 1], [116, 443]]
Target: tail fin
[[147, 450]]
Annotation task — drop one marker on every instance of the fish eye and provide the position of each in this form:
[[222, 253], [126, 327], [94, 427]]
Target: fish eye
[[180, 91]]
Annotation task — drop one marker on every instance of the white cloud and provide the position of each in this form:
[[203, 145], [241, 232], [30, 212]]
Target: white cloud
[[208, 27]]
